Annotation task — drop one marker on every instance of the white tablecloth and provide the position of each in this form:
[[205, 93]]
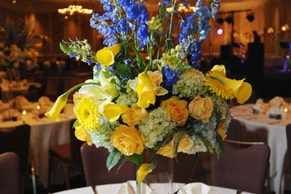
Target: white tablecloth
[[272, 131], [45, 132], [156, 189]]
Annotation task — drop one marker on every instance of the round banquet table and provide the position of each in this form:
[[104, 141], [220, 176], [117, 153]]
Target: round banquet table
[[157, 188], [45, 132], [259, 127]]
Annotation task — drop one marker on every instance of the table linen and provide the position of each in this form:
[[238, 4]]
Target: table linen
[[45, 132]]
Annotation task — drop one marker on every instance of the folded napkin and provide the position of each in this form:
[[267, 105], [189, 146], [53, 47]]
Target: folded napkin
[[277, 102], [259, 107], [20, 102], [45, 101], [197, 188], [129, 187]]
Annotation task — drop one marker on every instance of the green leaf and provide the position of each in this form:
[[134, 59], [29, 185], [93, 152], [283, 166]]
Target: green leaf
[[66, 49], [113, 159], [136, 159], [154, 161]]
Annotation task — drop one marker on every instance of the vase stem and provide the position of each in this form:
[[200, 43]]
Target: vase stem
[[138, 187]]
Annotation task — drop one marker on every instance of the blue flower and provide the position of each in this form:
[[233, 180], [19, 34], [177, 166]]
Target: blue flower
[[170, 77]]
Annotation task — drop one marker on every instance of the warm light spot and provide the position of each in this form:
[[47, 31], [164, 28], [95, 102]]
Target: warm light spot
[[219, 31]]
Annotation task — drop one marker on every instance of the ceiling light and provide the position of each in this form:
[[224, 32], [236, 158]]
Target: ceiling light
[[75, 9]]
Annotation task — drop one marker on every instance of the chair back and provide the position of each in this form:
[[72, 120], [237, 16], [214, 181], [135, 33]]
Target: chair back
[[234, 130], [9, 173], [96, 173], [75, 146], [242, 166], [288, 154], [16, 139]]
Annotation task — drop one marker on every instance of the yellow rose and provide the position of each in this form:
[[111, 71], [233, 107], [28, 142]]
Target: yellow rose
[[142, 171], [201, 108], [134, 115], [177, 109], [157, 78], [185, 144], [128, 140], [166, 150]]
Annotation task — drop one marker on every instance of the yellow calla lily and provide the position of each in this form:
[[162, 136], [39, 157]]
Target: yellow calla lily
[[112, 111], [243, 93], [57, 107], [81, 134], [227, 88], [142, 171], [106, 55], [115, 49], [145, 91]]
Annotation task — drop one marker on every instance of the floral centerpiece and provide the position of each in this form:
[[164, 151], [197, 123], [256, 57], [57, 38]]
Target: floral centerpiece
[[147, 92]]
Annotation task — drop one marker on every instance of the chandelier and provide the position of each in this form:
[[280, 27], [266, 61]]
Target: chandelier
[[75, 9]]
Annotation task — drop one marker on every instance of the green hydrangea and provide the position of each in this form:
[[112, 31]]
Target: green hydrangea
[[156, 126]]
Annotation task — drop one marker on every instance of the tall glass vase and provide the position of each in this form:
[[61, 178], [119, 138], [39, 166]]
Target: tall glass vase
[[162, 176]]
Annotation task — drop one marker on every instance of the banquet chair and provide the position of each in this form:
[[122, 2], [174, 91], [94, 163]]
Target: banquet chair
[[286, 171], [96, 173], [68, 156], [9, 173], [16, 139], [234, 130], [242, 166]]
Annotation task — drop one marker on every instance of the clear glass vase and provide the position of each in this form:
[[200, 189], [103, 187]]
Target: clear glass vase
[[161, 178]]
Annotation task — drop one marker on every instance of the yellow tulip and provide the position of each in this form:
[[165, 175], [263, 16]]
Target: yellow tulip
[[142, 171], [58, 106], [106, 55], [145, 91]]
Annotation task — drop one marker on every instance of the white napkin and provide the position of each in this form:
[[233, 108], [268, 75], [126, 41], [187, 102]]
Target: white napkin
[[197, 188], [259, 107], [129, 187], [277, 102]]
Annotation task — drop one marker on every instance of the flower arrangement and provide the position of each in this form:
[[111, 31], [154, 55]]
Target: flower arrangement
[[16, 45], [147, 92]]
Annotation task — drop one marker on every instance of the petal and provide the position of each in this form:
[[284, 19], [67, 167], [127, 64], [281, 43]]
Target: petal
[[243, 93], [105, 57], [145, 91], [142, 172], [58, 106], [233, 84], [112, 111], [115, 49]]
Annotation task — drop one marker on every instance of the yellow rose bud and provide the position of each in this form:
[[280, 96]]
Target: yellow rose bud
[[185, 144], [134, 116], [201, 108], [177, 109], [142, 172], [166, 150], [128, 140]]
